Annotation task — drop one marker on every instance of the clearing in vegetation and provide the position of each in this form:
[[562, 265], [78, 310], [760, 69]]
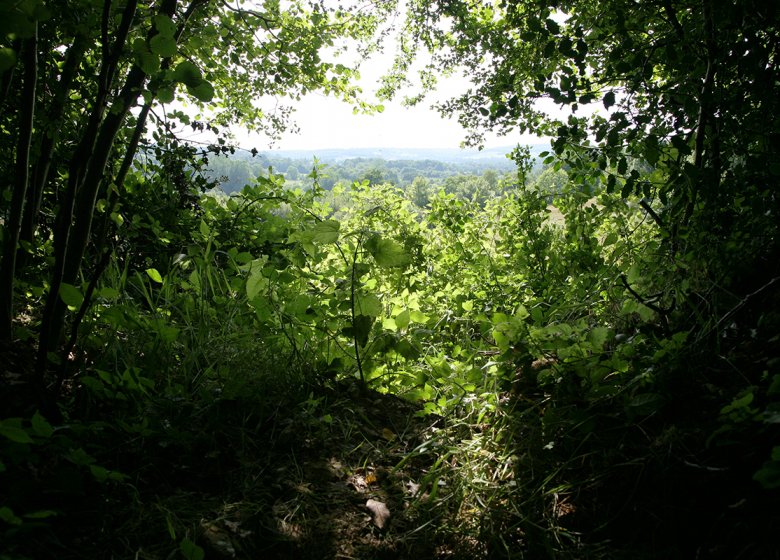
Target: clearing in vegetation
[[577, 359]]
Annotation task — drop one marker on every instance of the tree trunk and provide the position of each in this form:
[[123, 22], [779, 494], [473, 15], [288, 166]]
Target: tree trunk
[[22, 171]]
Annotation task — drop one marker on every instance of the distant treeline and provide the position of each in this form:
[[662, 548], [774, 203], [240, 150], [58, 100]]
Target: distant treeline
[[235, 171]]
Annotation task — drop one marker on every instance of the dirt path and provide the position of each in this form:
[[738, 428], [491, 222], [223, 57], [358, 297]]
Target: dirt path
[[342, 477]]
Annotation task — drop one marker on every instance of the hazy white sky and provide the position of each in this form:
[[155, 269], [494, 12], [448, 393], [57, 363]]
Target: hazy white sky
[[328, 123], [325, 122]]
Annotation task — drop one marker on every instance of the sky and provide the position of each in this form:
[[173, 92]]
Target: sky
[[325, 122]]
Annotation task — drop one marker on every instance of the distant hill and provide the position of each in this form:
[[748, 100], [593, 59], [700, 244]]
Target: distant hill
[[496, 156]]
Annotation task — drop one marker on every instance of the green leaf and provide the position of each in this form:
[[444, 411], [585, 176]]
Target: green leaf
[[254, 285], [418, 317], [42, 514], [7, 515], [646, 403], [598, 337], [387, 252], [41, 427], [204, 91], [12, 429], [80, 457], [326, 231], [71, 295], [369, 305], [166, 94], [149, 63], [163, 45], [190, 550], [609, 99], [164, 25], [204, 229], [7, 59], [768, 476], [154, 275], [402, 319], [187, 73], [362, 328]]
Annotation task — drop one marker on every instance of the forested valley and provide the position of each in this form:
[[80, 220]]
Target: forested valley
[[207, 351]]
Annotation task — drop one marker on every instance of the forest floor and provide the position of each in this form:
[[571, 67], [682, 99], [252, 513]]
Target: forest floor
[[342, 475], [332, 480]]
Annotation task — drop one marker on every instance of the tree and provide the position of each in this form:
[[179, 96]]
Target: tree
[[688, 99], [83, 81], [420, 192]]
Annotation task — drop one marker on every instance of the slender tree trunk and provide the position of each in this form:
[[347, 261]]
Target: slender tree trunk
[[48, 143], [22, 170], [8, 79], [54, 311]]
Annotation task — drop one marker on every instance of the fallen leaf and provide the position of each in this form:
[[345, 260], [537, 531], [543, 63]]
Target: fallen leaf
[[379, 512], [388, 434]]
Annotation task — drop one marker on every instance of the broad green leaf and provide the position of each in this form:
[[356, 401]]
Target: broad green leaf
[[187, 73], [609, 99], [7, 59], [80, 457], [467, 305], [7, 515], [149, 62], [204, 91], [12, 429], [362, 329], [108, 293], [41, 427], [255, 284], [598, 337], [164, 25], [418, 317], [387, 252], [204, 228], [163, 45], [154, 274], [402, 319], [326, 231], [369, 305], [407, 350], [166, 94], [190, 550], [71, 295], [768, 476], [499, 318]]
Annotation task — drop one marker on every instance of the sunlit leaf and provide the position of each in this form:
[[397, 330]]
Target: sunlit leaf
[[326, 231], [387, 252], [155, 275], [402, 319], [369, 304]]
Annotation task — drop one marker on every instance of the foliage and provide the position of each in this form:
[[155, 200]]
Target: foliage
[[588, 350]]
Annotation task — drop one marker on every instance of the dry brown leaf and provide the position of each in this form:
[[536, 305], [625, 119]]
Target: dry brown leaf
[[379, 512]]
